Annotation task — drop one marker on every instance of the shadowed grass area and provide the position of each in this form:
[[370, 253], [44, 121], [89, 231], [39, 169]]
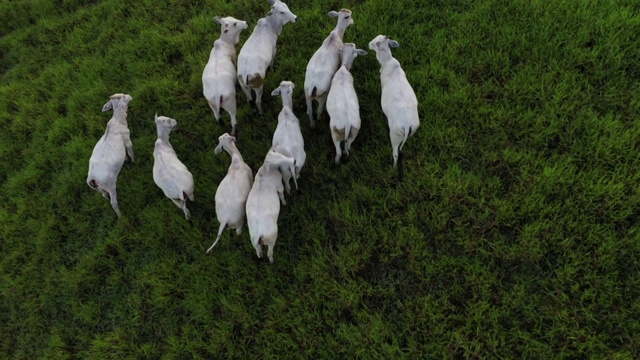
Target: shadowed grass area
[[512, 232]]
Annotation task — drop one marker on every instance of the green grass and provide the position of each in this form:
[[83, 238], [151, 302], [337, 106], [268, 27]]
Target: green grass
[[513, 232]]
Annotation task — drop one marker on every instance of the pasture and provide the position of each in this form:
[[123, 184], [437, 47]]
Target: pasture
[[509, 231]]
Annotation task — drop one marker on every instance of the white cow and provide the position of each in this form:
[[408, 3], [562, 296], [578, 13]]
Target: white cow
[[259, 50], [323, 64], [287, 138], [111, 150], [399, 102], [169, 173], [342, 103], [219, 76], [263, 207], [232, 193]]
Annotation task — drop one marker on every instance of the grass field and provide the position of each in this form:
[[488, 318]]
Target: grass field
[[510, 232]]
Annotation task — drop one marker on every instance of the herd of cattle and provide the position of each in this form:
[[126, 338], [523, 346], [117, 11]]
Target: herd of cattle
[[327, 80]]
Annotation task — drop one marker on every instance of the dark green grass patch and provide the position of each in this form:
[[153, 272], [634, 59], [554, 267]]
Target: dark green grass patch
[[510, 231]]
